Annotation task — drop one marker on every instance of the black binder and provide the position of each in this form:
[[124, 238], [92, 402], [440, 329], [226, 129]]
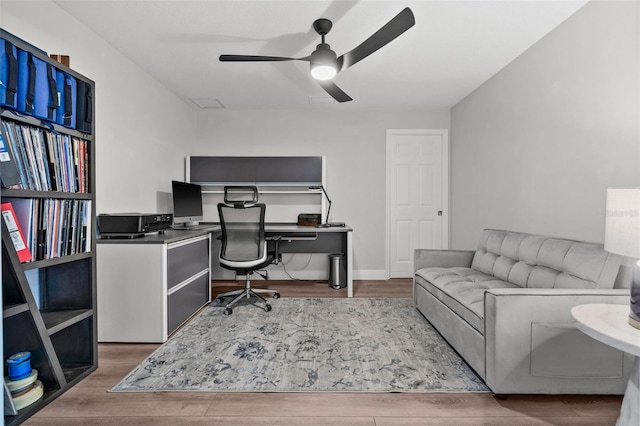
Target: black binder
[[67, 112], [84, 111], [9, 173], [8, 74]]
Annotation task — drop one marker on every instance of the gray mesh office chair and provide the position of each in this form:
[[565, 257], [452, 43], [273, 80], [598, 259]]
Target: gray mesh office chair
[[244, 247]]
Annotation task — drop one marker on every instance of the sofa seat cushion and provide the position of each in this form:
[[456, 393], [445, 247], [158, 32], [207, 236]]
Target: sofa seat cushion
[[462, 290]]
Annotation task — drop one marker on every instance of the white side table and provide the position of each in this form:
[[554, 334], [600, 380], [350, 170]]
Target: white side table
[[609, 324]]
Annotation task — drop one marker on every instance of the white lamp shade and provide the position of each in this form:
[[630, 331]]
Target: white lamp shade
[[323, 72], [622, 222]]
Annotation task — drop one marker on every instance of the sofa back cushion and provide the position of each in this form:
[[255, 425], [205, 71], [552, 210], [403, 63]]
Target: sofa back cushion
[[544, 262]]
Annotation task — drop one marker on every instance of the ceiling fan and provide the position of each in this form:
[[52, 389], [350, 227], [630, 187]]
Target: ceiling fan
[[324, 62]]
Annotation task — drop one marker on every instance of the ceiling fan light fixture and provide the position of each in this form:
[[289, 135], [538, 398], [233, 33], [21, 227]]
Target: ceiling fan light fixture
[[323, 72], [323, 63]]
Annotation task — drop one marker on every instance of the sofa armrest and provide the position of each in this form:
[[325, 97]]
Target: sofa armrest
[[533, 346], [427, 258]]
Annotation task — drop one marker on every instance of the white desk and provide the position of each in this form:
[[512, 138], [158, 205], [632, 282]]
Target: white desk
[[609, 324], [149, 286]]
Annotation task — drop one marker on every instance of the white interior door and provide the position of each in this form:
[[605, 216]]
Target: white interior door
[[417, 195]]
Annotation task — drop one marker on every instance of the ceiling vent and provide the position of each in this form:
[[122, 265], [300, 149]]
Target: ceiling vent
[[206, 103], [321, 100]]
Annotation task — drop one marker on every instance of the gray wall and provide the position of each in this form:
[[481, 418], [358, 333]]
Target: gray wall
[[143, 130], [535, 147], [354, 143]]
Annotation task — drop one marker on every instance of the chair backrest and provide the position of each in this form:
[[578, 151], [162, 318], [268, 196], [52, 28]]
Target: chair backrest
[[241, 194], [242, 226]]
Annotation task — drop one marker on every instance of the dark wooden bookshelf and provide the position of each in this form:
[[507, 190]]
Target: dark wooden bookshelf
[[58, 323]]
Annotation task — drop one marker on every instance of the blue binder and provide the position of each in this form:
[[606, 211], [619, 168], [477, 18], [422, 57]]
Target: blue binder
[[66, 88], [26, 87], [60, 83], [8, 74], [37, 94], [51, 100]]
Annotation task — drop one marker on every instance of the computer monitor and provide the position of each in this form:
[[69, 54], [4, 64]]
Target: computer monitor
[[187, 204]]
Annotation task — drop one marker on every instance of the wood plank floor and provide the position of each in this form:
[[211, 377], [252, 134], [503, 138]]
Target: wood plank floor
[[90, 403]]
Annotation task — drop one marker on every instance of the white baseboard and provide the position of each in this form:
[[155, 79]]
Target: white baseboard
[[306, 274], [371, 274]]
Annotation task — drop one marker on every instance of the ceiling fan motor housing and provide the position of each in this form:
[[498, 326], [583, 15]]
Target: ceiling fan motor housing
[[324, 55], [322, 26]]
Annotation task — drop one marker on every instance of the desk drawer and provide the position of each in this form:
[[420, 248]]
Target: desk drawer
[[327, 242], [185, 259], [186, 301]]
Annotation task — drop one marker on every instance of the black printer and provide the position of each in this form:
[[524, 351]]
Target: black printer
[[132, 225]]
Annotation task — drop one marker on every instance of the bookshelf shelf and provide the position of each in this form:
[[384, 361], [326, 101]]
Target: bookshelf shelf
[[56, 261], [75, 373], [27, 193], [49, 297], [11, 310], [25, 413], [9, 114], [57, 320]]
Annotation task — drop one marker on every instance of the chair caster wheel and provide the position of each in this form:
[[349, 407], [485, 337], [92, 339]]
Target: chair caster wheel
[[267, 308], [228, 311], [276, 295]]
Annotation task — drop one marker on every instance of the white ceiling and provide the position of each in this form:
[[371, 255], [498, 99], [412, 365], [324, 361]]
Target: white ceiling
[[454, 47]]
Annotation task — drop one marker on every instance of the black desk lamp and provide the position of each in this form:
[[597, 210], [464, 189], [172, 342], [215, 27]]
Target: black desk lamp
[[326, 224]]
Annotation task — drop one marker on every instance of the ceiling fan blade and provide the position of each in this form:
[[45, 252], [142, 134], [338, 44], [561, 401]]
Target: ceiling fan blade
[[257, 58], [335, 92], [392, 29]]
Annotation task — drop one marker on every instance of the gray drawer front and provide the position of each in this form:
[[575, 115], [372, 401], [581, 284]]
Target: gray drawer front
[[186, 260], [186, 301], [325, 242]]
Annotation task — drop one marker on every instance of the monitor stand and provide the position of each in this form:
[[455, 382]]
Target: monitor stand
[[188, 226]]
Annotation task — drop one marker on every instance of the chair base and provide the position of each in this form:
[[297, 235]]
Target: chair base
[[253, 296]]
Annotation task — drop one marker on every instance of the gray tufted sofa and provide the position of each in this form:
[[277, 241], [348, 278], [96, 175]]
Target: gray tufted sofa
[[505, 308]]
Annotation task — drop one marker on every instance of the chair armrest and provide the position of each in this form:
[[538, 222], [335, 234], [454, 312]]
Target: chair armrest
[[427, 258], [533, 346]]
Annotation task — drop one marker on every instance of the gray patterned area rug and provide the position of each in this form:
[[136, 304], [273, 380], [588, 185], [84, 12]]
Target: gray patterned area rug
[[306, 345]]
